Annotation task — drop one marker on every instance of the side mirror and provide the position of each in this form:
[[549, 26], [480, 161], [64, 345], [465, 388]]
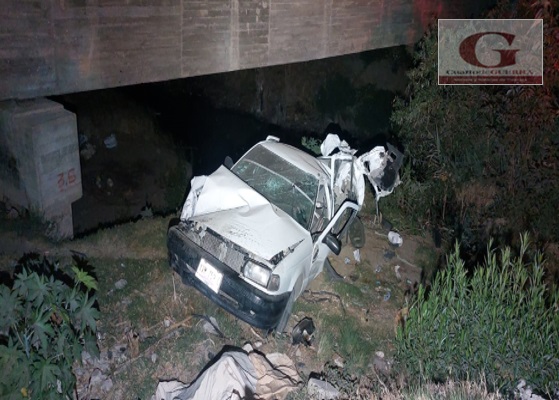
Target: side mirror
[[333, 243], [228, 162]]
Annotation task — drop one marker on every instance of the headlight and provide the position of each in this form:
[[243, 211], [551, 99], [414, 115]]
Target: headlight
[[257, 273]]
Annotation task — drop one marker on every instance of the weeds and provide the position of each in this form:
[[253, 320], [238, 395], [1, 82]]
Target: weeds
[[480, 153], [500, 324], [47, 318]]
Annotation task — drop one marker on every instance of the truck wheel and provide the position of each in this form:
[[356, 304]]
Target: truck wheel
[[282, 324]]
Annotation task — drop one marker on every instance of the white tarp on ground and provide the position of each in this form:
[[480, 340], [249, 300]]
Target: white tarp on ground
[[237, 375]]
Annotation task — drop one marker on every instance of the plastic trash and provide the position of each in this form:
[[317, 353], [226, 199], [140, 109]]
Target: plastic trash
[[378, 269], [302, 332], [110, 141], [82, 139], [389, 254], [347, 260], [387, 296], [120, 284], [397, 272], [357, 255], [395, 239]]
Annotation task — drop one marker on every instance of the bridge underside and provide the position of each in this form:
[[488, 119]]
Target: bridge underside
[[64, 46]]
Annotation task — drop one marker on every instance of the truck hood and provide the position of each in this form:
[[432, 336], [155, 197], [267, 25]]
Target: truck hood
[[230, 207]]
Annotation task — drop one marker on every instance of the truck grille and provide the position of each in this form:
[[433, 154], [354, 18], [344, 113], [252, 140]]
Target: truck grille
[[221, 248]]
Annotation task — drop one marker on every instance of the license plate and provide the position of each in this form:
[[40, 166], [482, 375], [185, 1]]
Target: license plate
[[208, 274]]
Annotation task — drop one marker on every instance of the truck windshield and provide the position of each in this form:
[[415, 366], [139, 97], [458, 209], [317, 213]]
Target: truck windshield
[[280, 182]]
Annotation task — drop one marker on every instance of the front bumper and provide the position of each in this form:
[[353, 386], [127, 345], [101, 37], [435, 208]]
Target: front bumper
[[235, 295]]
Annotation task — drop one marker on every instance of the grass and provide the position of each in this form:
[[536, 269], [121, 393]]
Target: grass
[[428, 260], [171, 343], [143, 239], [347, 321]]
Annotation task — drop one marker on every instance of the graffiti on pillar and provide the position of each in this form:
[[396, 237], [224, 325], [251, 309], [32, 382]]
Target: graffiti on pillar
[[66, 179]]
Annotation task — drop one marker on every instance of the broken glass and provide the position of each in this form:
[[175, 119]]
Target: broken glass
[[280, 182]]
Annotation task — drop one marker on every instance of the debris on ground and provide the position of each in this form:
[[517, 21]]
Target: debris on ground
[[524, 392], [387, 296], [389, 255], [93, 381], [303, 331], [120, 284], [357, 255], [381, 364], [322, 390], [210, 325], [397, 272], [87, 150], [110, 141], [395, 238]]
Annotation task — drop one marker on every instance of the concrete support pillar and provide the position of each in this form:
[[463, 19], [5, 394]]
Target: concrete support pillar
[[39, 161]]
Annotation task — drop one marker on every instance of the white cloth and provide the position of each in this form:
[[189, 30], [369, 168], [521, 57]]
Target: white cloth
[[237, 375]]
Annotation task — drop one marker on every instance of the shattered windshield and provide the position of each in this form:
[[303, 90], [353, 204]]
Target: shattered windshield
[[280, 182]]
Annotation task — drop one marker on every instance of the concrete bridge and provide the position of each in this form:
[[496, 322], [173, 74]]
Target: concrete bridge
[[51, 47]]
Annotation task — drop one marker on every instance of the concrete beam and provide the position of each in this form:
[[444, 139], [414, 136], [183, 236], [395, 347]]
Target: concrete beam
[[50, 47]]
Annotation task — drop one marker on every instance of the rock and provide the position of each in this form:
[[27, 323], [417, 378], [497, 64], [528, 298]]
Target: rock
[[107, 385], [381, 364], [386, 296], [321, 390], [12, 213], [211, 327], [97, 377], [88, 151], [339, 361], [524, 392], [389, 254], [120, 284]]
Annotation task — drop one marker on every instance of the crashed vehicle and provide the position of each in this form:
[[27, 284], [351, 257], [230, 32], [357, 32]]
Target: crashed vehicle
[[252, 237]]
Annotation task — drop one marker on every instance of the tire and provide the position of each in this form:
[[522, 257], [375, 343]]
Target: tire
[[282, 324]]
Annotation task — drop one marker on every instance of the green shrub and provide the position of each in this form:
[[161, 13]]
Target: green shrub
[[311, 144], [500, 323], [47, 317], [483, 153]]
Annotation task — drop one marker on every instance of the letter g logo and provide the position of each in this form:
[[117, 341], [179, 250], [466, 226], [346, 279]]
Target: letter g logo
[[468, 50]]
